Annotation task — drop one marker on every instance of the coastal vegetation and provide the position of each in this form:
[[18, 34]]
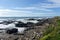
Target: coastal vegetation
[[53, 32]]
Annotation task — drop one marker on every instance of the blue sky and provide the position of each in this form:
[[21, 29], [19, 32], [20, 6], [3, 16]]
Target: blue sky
[[29, 8]]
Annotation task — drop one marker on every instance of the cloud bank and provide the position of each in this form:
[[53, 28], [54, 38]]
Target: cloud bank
[[38, 9]]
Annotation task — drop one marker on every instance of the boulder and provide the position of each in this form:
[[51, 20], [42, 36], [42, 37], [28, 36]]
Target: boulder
[[30, 24], [20, 24], [31, 19], [10, 31]]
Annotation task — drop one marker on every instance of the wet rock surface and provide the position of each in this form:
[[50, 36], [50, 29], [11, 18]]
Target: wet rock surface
[[34, 31]]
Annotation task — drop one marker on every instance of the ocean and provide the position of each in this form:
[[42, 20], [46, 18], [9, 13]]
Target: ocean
[[15, 18], [12, 25]]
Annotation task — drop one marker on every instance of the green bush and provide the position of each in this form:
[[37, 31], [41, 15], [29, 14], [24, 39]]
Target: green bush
[[53, 34]]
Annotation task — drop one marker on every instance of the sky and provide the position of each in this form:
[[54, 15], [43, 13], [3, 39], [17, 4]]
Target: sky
[[29, 8]]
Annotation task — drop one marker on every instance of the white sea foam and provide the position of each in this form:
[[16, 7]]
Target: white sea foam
[[10, 26], [20, 29], [2, 26], [25, 21]]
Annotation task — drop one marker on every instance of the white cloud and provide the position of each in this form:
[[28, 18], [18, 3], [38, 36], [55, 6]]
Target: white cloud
[[28, 11], [55, 4], [19, 13], [54, 1], [8, 12], [33, 8], [25, 8], [48, 4]]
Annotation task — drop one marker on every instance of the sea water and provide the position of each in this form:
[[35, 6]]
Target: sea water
[[12, 25]]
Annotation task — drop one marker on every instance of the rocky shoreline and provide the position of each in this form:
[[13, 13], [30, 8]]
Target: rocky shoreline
[[34, 31]]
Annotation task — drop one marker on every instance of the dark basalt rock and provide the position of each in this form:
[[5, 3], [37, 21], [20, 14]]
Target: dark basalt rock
[[10, 31], [21, 24], [31, 19], [48, 21], [42, 21], [39, 23], [7, 22], [30, 24], [39, 20]]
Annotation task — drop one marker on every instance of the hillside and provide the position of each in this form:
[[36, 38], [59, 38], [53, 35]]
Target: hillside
[[55, 33]]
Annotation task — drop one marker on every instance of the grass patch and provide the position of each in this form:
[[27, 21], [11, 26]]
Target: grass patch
[[54, 35]]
